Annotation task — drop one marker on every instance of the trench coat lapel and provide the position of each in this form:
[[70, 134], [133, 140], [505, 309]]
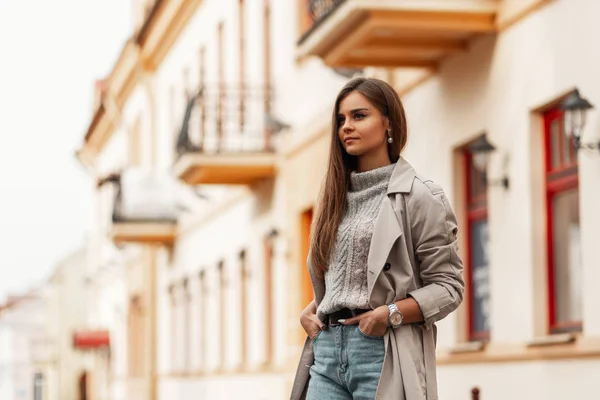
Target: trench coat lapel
[[385, 233], [387, 228]]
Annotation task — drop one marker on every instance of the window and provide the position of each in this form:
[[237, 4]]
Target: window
[[186, 305], [202, 103], [242, 55], [477, 274], [244, 281], [221, 83], [307, 291], [562, 207], [180, 327], [222, 316], [267, 54], [136, 338], [269, 244], [202, 307], [173, 323], [267, 67]]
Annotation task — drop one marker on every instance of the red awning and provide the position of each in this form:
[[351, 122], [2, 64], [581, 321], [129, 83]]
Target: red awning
[[91, 340]]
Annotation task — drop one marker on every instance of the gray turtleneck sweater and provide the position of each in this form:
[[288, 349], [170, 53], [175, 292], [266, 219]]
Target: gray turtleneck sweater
[[346, 278]]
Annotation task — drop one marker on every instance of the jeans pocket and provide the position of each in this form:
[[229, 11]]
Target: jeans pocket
[[368, 336], [316, 336]]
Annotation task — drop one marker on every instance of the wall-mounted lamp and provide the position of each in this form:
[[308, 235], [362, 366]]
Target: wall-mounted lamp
[[576, 108], [481, 149]]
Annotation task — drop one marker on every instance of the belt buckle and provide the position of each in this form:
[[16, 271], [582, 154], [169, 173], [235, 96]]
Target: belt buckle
[[334, 322]]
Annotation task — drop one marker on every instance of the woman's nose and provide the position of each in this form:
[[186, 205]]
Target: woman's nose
[[347, 127]]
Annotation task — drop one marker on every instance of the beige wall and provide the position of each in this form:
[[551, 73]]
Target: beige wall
[[495, 86]]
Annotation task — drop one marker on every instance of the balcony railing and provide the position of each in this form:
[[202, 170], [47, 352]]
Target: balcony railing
[[228, 120], [227, 136], [144, 207]]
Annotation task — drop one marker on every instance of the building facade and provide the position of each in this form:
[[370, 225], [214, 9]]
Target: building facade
[[26, 354], [66, 298], [209, 142]]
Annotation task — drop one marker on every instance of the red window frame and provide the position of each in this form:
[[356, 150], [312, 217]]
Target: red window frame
[[476, 205], [558, 179]]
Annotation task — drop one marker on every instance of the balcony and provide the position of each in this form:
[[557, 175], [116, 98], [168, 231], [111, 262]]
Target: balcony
[[392, 33], [227, 137], [144, 208]]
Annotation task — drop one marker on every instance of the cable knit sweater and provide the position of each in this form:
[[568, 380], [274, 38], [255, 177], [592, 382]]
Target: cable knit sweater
[[346, 278]]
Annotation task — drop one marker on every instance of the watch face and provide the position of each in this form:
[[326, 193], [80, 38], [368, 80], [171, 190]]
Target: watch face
[[396, 318]]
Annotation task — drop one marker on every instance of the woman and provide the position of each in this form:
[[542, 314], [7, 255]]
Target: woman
[[383, 261]]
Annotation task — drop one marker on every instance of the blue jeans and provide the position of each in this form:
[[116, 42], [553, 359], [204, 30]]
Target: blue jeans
[[347, 364]]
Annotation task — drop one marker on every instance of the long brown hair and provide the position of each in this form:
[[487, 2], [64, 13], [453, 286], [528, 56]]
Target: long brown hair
[[332, 199]]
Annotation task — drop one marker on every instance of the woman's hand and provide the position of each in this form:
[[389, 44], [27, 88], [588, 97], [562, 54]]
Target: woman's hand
[[372, 323], [310, 322]]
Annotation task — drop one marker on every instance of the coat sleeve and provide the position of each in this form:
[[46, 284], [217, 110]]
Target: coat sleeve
[[434, 234]]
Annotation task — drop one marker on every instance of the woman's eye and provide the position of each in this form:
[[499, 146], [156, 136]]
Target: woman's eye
[[359, 116], [340, 122]]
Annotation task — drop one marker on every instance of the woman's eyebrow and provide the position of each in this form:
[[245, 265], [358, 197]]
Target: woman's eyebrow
[[355, 110]]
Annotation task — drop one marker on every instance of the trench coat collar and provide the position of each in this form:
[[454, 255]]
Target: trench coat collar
[[402, 177]]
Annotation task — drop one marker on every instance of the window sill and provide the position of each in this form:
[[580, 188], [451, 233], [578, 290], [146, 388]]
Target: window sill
[[551, 340], [468, 347], [548, 348]]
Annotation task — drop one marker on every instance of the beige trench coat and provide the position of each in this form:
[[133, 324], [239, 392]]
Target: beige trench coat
[[415, 232]]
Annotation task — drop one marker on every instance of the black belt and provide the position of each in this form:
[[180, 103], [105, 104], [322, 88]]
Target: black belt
[[344, 313]]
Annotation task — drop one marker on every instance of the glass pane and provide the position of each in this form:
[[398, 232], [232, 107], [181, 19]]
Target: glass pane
[[476, 184], [566, 152], [555, 141], [480, 288], [567, 257]]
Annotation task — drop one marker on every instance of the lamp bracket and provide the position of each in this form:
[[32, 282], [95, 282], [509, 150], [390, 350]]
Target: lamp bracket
[[504, 181], [579, 145], [499, 182]]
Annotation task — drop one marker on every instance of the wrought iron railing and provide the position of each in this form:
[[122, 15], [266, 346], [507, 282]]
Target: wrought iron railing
[[228, 120], [317, 11]]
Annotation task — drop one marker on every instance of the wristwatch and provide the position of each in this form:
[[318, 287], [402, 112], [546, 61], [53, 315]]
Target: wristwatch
[[395, 318]]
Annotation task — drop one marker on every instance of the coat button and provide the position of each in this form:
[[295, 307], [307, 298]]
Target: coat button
[[387, 266]]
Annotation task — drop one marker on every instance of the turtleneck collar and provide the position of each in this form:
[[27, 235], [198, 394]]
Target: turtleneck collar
[[363, 180]]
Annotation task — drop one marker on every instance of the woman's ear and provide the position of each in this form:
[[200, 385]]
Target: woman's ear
[[386, 123]]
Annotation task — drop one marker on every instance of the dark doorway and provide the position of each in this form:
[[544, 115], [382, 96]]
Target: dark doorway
[[38, 386], [83, 386]]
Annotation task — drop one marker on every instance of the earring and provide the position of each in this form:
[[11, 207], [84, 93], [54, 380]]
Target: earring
[[389, 132]]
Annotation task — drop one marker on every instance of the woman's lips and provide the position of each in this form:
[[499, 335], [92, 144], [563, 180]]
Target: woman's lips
[[349, 140]]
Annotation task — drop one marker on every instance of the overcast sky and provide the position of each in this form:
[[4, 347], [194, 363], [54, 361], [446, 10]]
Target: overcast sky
[[51, 52]]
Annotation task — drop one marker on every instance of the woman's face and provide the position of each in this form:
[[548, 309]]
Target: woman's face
[[361, 127]]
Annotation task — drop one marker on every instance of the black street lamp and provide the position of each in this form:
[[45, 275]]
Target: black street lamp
[[481, 149], [576, 108]]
